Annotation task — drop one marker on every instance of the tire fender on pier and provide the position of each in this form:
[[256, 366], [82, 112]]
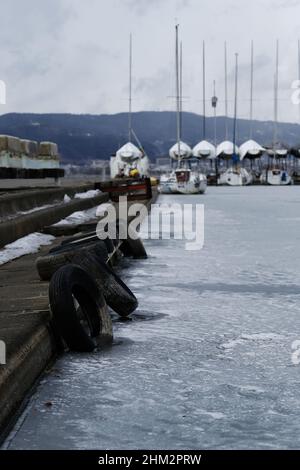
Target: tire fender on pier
[[61, 255], [134, 248], [117, 294], [79, 309]]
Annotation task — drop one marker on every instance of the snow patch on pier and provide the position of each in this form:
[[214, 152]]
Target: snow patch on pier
[[79, 217], [24, 246], [87, 194]]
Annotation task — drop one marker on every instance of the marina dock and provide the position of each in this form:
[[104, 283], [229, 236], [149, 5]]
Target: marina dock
[[32, 343]]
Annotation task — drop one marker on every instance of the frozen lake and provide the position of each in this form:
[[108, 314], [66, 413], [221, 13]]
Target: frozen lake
[[206, 362]]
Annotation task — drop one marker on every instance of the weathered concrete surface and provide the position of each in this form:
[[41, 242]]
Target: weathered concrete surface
[[34, 222], [24, 327], [12, 202]]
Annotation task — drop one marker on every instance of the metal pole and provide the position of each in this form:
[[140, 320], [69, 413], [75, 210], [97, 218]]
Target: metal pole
[[180, 90], [215, 118], [299, 70], [226, 92], [251, 93], [177, 90], [235, 101], [276, 97], [215, 132], [204, 110], [130, 90]]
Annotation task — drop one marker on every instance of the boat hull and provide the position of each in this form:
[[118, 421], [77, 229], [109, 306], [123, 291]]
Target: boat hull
[[196, 185], [203, 186], [277, 178], [235, 178], [167, 188], [168, 184]]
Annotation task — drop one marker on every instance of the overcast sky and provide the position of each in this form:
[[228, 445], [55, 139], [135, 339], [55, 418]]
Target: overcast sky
[[72, 55]]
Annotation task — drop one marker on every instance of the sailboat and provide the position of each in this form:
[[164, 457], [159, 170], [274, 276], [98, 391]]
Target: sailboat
[[188, 181], [276, 176], [236, 175], [251, 149], [204, 149], [225, 150], [295, 150], [130, 160], [183, 179]]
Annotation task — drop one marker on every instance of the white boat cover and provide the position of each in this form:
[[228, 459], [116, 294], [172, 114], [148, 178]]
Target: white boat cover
[[225, 149], [129, 152], [250, 149], [204, 149], [279, 152], [185, 151]]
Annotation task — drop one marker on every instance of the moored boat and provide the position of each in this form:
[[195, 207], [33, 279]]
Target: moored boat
[[235, 176], [276, 177], [130, 160]]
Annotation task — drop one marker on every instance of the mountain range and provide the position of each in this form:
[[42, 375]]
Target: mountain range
[[84, 137]]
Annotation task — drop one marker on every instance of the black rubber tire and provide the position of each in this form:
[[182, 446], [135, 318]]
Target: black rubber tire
[[134, 248], [117, 295], [48, 265], [79, 309]]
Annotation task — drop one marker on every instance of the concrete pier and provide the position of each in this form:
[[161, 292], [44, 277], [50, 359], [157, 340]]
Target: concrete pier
[[25, 322]]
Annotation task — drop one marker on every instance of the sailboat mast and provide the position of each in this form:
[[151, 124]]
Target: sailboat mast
[[299, 71], [177, 89], [130, 91], [226, 92], [204, 110], [276, 97], [251, 93], [235, 101], [214, 103], [180, 90]]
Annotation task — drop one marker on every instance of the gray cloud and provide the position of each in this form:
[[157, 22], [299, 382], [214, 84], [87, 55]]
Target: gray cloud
[[72, 56], [143, 6]]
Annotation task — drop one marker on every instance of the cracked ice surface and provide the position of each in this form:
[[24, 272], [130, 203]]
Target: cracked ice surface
[[206, 361]]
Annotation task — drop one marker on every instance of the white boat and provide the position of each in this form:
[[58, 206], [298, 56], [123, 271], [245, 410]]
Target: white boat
[[130, 161], [277, 151], [183, 179], [226, 150], [235, 176], [204, 149], [190, 182], [168, 183], [251, 149], [180, 151], [186, 181], [276, 177]]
